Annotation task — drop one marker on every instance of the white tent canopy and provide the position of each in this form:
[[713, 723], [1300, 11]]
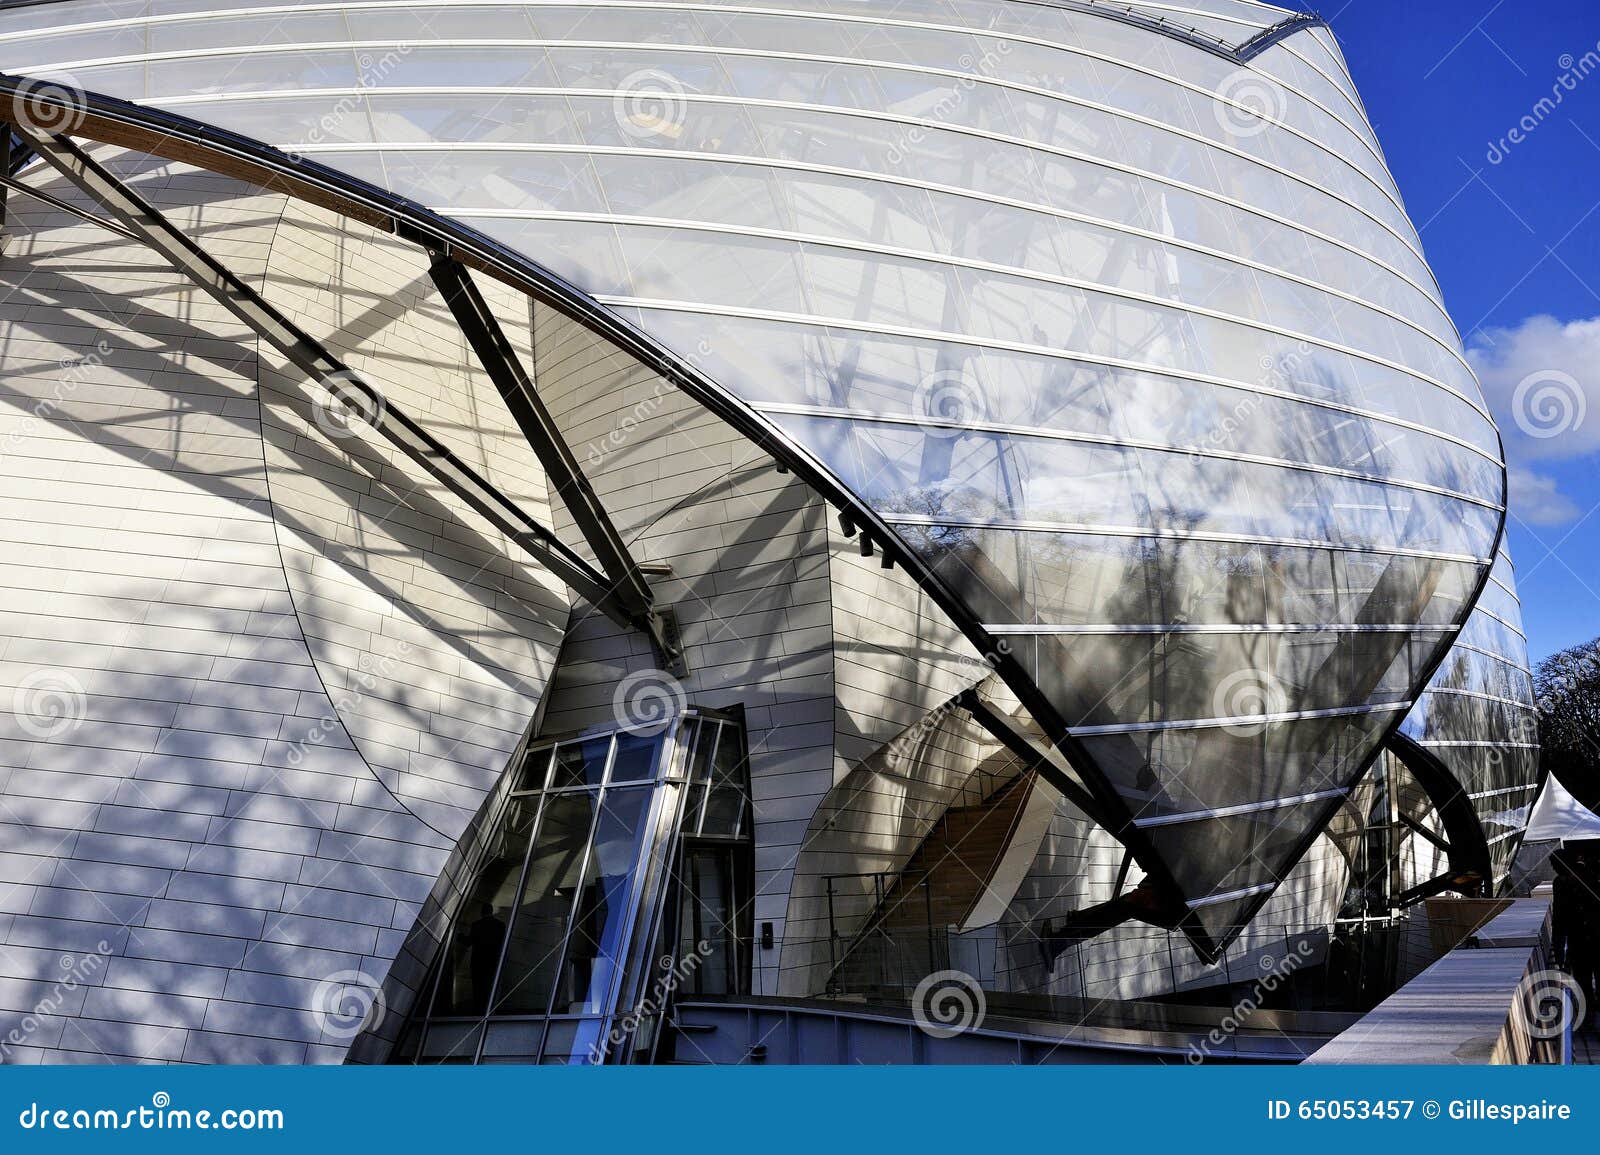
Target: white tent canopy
[[1558, 816]]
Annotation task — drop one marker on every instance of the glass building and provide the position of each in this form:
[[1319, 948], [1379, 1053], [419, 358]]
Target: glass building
[[1016, 454]]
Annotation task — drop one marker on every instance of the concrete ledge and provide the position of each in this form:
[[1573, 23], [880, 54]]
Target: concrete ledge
[[1459, 1009]]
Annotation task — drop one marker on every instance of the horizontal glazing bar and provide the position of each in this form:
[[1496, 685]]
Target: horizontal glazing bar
[[836, 170], [846, 323], [964, 78], [1013, 271], [1230, 896], [1245, 808], [1244, 720], [1275, 628], [1120, 442], [1522, 788], [1174, 534], [838, 17], [1451, 691], [1451, 348]]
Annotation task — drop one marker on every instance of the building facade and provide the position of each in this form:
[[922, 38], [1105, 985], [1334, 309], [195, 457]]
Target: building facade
[[522, 517]]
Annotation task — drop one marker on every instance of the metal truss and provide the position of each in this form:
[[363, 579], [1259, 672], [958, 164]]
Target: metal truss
[[494, 352], [1049, 762], [140, 220], [1464, 842]]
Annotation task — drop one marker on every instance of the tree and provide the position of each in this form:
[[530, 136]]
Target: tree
[[1566, 688]]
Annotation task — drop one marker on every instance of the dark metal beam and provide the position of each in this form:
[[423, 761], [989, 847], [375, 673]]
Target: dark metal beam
[[1048, 761], [1283, 29], [1468, 844], [1467, 883], [1422, 831], [495, 353], [55, 202], [148, 225], [6, 139]]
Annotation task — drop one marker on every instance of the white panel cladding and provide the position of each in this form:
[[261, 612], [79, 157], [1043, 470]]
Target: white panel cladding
[[898, 662], [872, 822], [831, 655], [748, 547], [897, 656], [191, 847], [428, 627]]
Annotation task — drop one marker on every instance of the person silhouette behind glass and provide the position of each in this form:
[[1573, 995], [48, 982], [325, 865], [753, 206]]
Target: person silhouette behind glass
[[484, 937]]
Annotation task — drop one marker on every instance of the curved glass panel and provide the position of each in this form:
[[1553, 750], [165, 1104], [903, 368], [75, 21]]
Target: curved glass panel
[[1478, 717], [1116, 334]]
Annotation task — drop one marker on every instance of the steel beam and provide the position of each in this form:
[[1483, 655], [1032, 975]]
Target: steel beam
[[1423, 832], [5, 171], [567, 481], [1467, 844], [1048, 761], [15, 185], [147, 224]]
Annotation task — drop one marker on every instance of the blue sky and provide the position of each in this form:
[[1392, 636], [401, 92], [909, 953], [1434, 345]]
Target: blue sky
[[1512, 228]]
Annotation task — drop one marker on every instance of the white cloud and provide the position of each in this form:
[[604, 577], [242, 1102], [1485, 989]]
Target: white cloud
[[1542, 382], [1536, 500]]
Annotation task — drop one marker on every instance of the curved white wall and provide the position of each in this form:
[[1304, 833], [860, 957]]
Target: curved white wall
[[259, 680]]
